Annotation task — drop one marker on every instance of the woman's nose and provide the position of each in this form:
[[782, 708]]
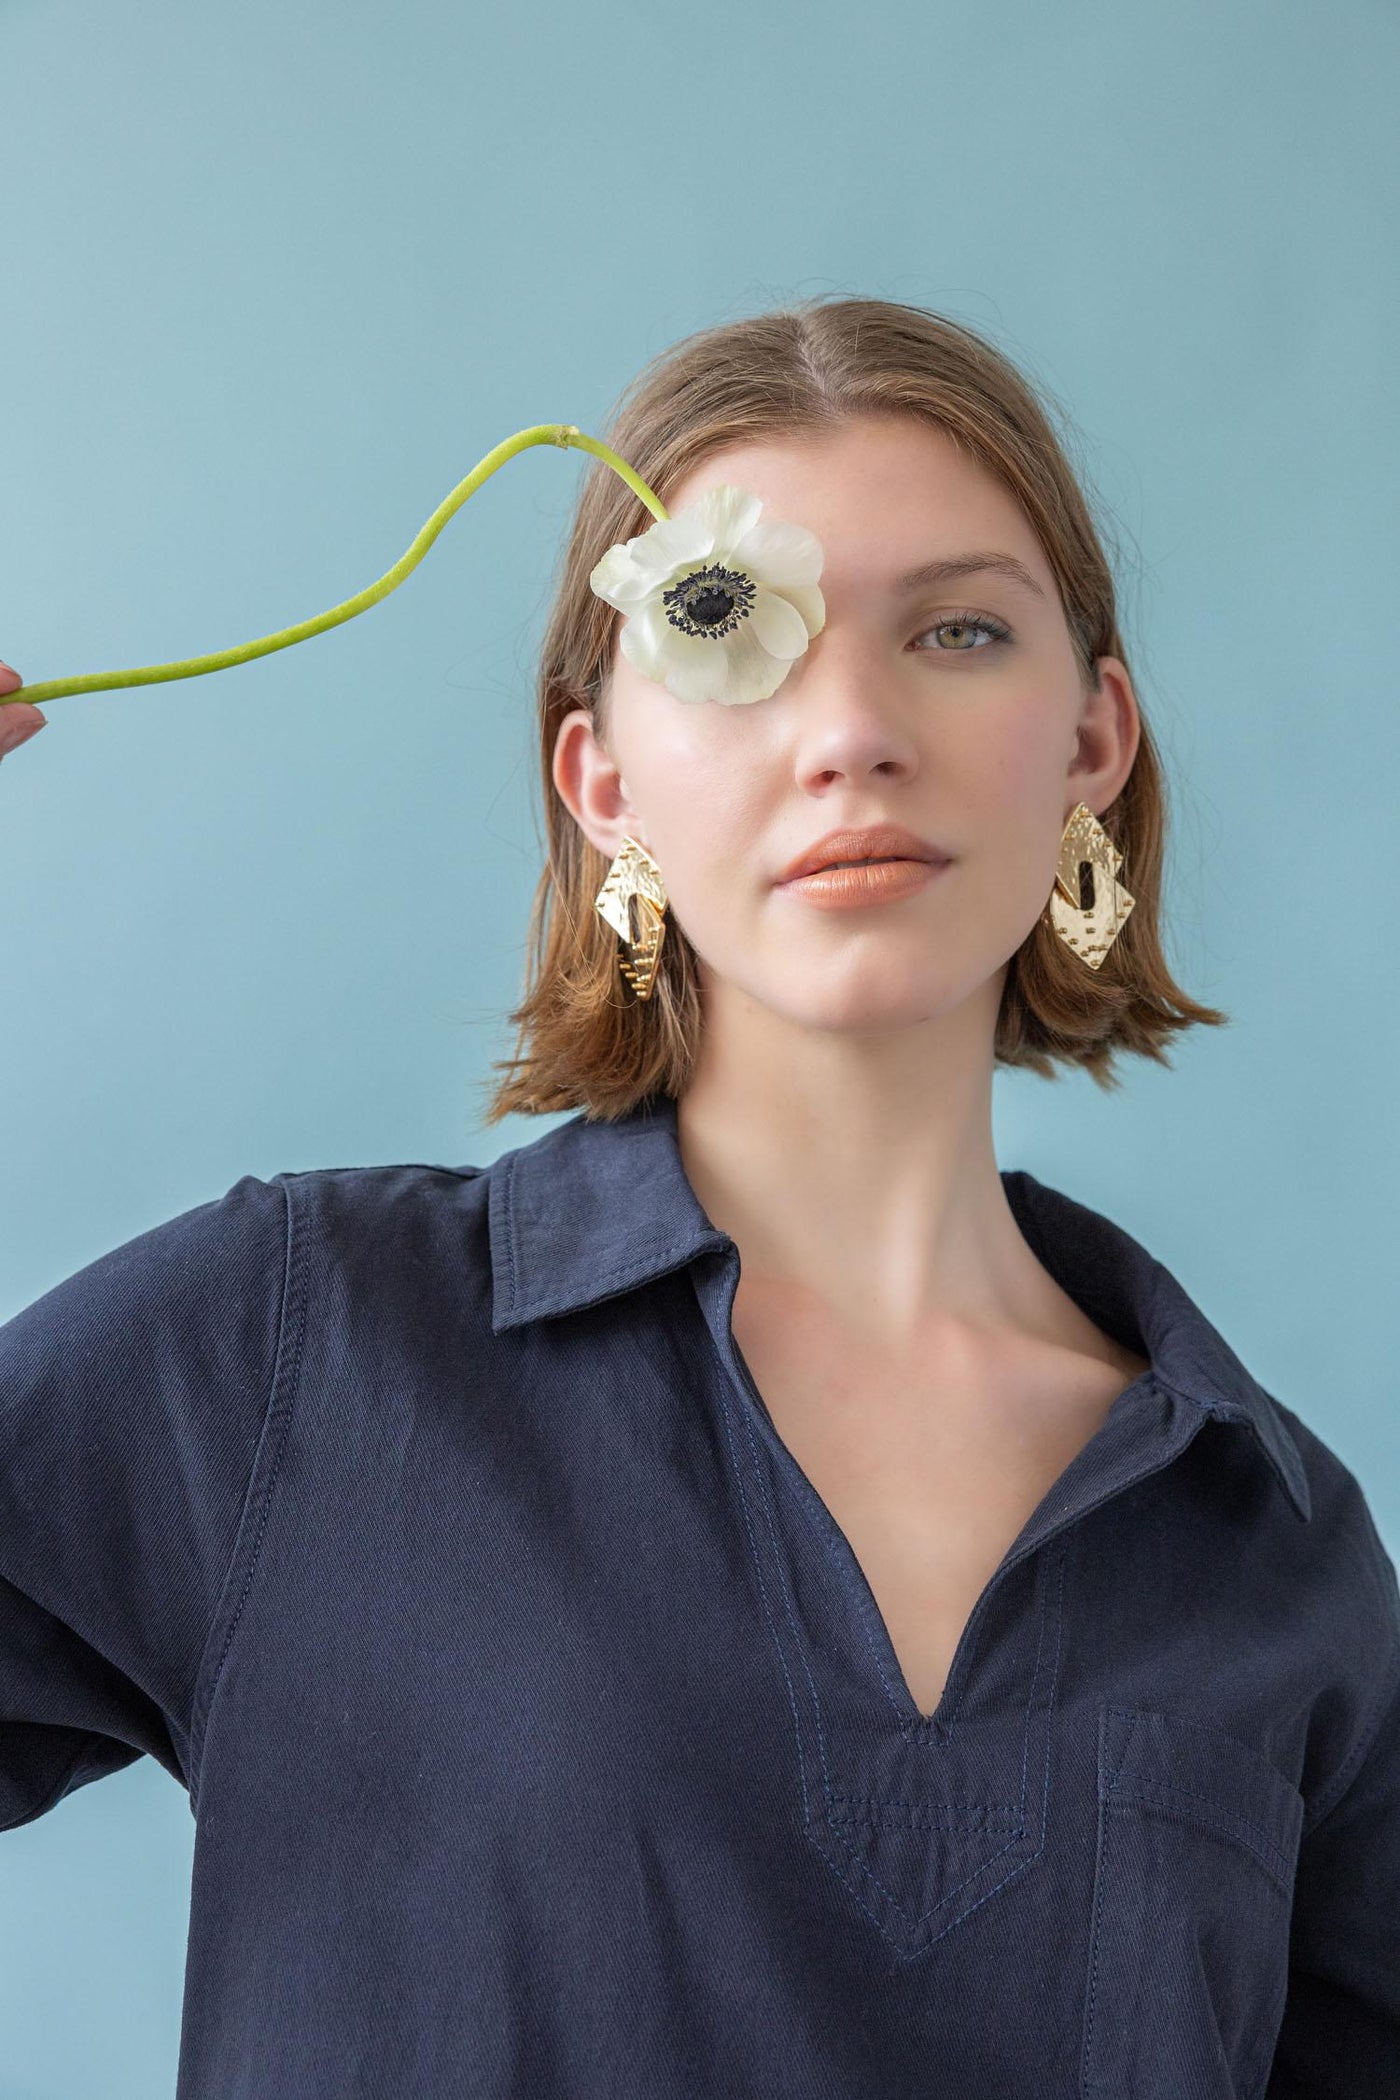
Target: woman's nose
[[847, 712]]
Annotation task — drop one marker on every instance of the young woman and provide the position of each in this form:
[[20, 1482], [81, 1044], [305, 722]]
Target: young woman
[[741, 1596]]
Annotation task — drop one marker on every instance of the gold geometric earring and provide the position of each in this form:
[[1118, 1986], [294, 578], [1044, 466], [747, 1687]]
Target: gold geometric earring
[[634, 887], [1089, 933]]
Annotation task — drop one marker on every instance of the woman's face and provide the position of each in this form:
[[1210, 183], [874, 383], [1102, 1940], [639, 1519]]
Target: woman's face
[[902, 710]]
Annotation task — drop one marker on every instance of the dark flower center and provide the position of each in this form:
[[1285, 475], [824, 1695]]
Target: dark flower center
[[709, 602]]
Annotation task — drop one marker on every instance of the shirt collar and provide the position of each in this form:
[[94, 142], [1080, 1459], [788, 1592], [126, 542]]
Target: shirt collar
[[592, 1209]]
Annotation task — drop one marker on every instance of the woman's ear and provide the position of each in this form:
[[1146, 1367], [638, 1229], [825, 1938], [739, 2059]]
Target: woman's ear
[[1107, 735], [590, 785]]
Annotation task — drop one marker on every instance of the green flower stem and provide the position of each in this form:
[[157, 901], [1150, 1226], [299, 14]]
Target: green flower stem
[[564, 434]]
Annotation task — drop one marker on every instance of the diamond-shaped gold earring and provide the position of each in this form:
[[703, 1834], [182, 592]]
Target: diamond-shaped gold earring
[[1089, 933], [634, 884]]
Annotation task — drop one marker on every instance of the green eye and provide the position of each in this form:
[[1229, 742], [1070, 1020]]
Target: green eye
[[963, 624]]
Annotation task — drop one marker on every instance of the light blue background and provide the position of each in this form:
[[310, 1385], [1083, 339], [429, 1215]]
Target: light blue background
[[275, 277]]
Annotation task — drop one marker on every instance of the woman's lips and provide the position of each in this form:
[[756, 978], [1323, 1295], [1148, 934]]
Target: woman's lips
[[872, 882]]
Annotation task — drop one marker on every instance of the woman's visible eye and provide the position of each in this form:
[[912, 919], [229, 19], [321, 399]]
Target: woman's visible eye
[[962, 625]]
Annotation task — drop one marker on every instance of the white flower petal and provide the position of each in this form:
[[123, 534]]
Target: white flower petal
[[753, 672], [778, 625], [670, 544], [733, 673], [618, 579], [809, 602], [688, 665], [644, 641], [728, 511], [696, 670], [778, 553]]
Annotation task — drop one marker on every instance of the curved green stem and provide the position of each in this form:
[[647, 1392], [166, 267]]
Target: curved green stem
[[564, 434]]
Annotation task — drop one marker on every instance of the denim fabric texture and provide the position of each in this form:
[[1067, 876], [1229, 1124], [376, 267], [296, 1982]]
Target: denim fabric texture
[[541, 1730]]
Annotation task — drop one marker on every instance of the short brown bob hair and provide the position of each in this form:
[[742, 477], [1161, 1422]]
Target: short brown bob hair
[[584, 1040]]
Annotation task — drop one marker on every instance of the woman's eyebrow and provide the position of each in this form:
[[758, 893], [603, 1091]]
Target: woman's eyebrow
[[955, 566]]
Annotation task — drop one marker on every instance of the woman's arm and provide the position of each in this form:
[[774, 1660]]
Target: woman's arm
[[1340, 2038], [132, 1399]]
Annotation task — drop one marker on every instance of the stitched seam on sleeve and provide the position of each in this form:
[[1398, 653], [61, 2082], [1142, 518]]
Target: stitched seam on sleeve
[[1382, 1570], [1361, 1749], [207, 1680]]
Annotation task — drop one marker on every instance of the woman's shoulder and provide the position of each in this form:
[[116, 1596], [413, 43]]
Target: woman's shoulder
[[399, 1213]]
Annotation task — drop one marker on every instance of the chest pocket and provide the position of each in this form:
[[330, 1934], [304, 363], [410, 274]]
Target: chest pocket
[[1193, 1892]]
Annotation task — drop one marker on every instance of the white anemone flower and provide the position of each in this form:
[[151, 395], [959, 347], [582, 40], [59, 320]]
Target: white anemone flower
[[717, 605]]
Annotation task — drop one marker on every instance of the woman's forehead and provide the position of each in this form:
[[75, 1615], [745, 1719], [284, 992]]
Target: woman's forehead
[[882, 497]]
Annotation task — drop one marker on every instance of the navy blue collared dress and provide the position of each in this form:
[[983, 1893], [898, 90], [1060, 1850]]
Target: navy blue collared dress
[[542, 1732]]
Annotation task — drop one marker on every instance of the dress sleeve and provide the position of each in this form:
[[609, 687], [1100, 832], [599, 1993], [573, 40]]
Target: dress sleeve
[[132, 1399], [1340, 2038]]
